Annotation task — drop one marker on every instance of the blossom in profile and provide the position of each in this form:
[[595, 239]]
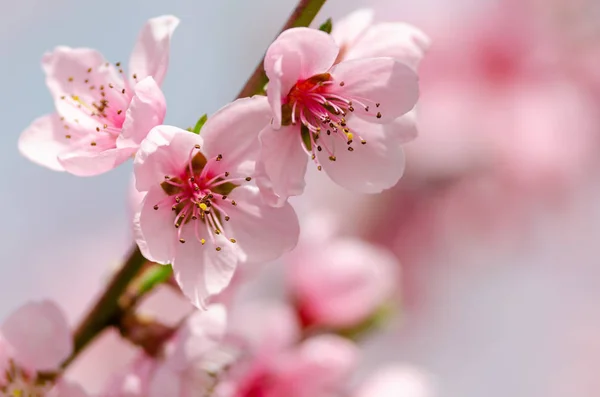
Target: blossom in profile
[[344, 116], [200, 212], [102, 113], [35, 339]]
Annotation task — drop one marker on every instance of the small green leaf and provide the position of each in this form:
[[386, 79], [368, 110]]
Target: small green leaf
[[153, 276], [326, 26], [200, 123], [305, 133]]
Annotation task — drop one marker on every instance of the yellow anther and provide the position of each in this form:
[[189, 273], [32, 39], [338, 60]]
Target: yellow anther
[[203, 241], [203, 206], [350, 136]]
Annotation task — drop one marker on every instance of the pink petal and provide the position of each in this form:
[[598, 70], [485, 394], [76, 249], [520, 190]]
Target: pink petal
[[43, 140], [67, 389], [283, 161], [67, 71], [320, 366], [165, 151], [165, 382], [150, 56], [146, 110], [400, 41], [376, 165], [347, 31], [296, 54], [240, 121], [200, 270], [86, 160], [39, 335], [398, 381], [267, 327], [153, 229], [201, 332], [277, 230], [379, 80]]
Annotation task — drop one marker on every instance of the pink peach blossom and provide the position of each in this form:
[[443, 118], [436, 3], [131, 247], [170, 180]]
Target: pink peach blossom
[[36, 337], [271, 363], [186, 366], [341, 115], [101, 115], [196, 215], [358, 37], [340, 281]]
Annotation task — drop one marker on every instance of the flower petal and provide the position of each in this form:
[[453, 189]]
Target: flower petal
[[240, 122], [200, 333], [152, 231], [67, 389], [374, 166], [150, 56], [39, 334], [43, 140], [165, 382], [283, 161], [146, 110], [347, 31], [200, 270], [295, 55], [384, 81], [164, 152], [401, 41], [86, 160], [262, 232]]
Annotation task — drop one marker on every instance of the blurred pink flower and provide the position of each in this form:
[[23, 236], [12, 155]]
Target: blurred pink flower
[[186, 367], [272, 364], [101, 115], [397, 381], [195, 199], [339, 281], [36, 337], [353, 101]]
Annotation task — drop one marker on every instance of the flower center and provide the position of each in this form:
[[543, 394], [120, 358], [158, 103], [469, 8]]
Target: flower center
[[101, 96], [19, 383], [320, 105], [197, 194]]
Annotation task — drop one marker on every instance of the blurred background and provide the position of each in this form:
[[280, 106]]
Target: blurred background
[[496, 223]]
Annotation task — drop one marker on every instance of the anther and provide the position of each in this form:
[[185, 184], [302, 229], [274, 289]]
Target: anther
[[135, 76], [227, 218], [342, 83], [319, 168], [366, 108], [319, 148], [118, 64], [217, 231], [123, 91], [363, 141], [70, 79], [98, 129], [226, 173], [378, 115], [378, 104], [218, 248], [202, 241], [248, 179], [196, 146], [178, 199], [233, 240], [93, 143], [350, 149], [119, 111], [87, 81], [224, 197], [89, 70], [219, 157], [332, 158], [233, 202], [351, 109], [156, 207], [105, 126], [182, 240], [192, 179], [68, 136]]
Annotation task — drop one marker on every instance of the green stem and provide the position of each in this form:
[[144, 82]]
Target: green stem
[[303, 15], [107, 310]]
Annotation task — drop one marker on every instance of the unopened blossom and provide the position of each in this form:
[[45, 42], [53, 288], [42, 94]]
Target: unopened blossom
[[342, 116], [275, 363], [337, 281], [200, 212], [398, 381], [34, 339], [102, 112], [185, 367]]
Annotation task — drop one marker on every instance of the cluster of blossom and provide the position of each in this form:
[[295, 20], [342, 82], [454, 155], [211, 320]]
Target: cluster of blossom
[[215, 203]]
